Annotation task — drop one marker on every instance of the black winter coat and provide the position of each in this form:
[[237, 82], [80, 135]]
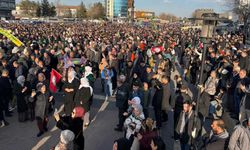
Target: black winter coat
[[189, 126], [82, 98], [22, 98], [6, 89], [69, 97], [157, 98], [122, 96], [74, 125]]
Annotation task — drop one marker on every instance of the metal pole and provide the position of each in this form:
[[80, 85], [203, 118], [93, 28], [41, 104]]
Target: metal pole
[[200, 83]]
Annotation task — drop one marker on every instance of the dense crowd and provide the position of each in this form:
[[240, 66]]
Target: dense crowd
[[137, 66]]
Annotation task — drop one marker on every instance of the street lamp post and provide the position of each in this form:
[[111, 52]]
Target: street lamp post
[[209, 22]]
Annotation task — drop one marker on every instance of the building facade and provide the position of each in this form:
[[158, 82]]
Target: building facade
[[116, 9], [6, 6], [198, 14], [244, 2], [63, 11]]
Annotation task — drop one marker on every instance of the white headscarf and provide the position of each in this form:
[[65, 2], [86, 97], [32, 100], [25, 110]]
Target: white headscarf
[[136, 100], [21, 80], [72, 73], [88, 71], [67, 136], [85, 83]]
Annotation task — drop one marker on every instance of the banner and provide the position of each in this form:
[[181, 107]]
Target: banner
[[11, 37]]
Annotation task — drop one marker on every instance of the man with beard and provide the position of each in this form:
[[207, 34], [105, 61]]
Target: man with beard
[[178, 106], [218, 136]]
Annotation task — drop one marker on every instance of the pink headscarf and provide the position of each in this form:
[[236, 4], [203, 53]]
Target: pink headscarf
[[79, 112]]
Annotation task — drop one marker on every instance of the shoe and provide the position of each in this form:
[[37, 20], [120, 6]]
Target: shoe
[[12, 108], [86, 125], [40, 134], [118, 129], [45, 129], [4, 123], [175, 139]]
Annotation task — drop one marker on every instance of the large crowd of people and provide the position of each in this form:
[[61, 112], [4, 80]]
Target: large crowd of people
[[137, 66]]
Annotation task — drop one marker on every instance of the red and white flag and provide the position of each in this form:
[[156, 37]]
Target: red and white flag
[[55, 77], [157, 49]]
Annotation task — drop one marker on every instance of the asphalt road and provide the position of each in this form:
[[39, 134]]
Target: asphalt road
[[98, 136]]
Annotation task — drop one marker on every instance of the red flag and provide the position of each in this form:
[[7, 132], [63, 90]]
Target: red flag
[[201, 45], [132, 57], [157, 49], [54, 79]]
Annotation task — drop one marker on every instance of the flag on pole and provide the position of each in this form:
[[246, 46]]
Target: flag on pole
[[157, 49], [54, 79]]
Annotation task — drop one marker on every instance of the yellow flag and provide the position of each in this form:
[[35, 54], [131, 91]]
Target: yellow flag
[[11, 37]]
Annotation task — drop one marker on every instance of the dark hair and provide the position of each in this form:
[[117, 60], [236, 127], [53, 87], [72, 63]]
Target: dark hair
[[187, 102], [123, 144], [220, 123], [165, 77], [159, 143]]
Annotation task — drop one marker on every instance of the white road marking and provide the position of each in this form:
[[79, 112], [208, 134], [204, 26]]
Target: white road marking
[[41, 143]]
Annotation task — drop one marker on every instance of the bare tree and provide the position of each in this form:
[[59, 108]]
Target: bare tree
[[242, 9], [97, 11], [168, 17]]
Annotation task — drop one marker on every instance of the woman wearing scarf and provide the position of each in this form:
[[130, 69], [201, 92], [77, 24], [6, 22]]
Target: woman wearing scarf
[[41, 99], [66, 141], [73, 123], [91, 78], [21, 90], [89, 75], [133, 123], [83, 97], [69, 88]]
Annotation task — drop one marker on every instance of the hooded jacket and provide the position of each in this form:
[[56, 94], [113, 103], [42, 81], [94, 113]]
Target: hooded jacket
[[240, 138]]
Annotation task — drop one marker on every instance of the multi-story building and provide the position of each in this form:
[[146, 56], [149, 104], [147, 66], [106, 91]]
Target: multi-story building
[[116, 9], [244, 2], [67, 11], [198, 14], [6, 6]]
